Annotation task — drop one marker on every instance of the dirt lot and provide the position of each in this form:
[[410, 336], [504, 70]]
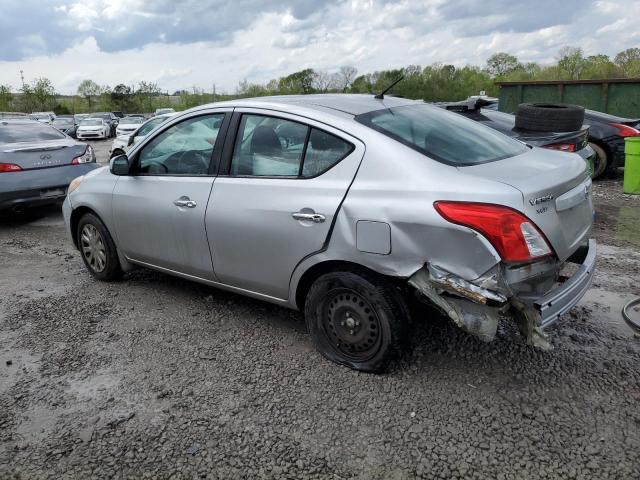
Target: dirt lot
[[156, 377]]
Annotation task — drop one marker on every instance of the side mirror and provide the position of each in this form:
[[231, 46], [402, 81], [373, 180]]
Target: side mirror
[[120, 165]]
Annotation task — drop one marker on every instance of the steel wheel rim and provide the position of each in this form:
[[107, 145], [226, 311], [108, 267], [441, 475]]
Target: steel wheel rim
[[351, 325], [93, 249]]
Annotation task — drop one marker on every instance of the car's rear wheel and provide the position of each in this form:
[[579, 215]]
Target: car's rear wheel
[[357, 319], [98, 249], [601, 161]]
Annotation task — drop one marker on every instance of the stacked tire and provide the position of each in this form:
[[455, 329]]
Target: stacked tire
[[549, 117]]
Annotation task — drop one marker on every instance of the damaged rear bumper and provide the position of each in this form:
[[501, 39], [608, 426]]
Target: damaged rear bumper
[[478, 306], [564, 297]]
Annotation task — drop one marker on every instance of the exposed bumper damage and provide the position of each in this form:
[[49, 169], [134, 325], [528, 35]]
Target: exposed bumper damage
[[533, 297]]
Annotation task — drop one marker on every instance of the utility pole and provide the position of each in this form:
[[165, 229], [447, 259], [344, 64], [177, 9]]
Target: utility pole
[[22, 78], [214, 92]]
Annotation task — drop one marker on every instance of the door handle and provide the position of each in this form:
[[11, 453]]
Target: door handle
[[309, 217], [185, 202]]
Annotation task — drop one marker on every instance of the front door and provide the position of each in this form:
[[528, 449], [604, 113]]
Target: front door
[[284, 183], [159, 210]]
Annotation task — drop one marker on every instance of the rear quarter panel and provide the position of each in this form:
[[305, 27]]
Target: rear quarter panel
[[398, 186]]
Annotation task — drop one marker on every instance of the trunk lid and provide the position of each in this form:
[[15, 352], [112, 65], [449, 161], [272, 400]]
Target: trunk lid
[[42, 154], [556, 193]]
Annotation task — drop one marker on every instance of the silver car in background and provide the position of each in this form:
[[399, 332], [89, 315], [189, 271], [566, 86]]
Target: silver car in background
[[37, 164], [344, 206]]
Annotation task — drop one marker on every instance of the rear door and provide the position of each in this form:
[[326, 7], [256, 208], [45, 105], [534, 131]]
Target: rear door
[[282, 183], [159, 210]]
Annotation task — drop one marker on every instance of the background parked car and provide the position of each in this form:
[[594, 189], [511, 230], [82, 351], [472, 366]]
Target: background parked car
[[37, 164], [552, 136], [93, 128], [128, 125], [110, 119], [43, 117], [162, 111], [66, 124], [122, 143], [606, 137]]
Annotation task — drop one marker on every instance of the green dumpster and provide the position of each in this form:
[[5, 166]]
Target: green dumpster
[[632, 165]]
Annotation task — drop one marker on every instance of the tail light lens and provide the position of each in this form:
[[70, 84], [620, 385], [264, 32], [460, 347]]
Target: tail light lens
[[9, 167], [87, 157], [563, 147], [625, 130], [512, 234]]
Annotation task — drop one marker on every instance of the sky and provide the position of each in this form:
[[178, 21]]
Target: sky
[[180, 44]]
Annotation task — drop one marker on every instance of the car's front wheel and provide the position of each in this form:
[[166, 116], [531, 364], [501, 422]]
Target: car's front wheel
[[98, 249], [357, 319]]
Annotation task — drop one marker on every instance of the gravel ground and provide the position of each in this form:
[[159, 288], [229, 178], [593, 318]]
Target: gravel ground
[[157, 377]]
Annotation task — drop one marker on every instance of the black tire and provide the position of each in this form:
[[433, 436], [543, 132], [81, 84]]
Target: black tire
[[549, 117], [601, 161], [358, 320], [116, 153], [107, 269]]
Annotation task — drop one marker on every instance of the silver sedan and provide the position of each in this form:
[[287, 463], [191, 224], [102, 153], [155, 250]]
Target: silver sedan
[[344, 207]]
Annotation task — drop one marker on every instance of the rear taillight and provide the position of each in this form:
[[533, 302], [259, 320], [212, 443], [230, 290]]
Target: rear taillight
[[512, 234], [87, 157], [625, 130], [563, 147], [9, 167]]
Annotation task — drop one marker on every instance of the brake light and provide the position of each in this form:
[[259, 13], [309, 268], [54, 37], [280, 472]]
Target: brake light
[[9, 167], [87, 157], [625, 130], [512, 234], [563, 147]]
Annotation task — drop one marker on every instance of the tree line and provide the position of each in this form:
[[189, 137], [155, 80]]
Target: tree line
[[436, 82]]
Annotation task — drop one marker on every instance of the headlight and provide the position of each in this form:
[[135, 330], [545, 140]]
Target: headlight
[[87, 157], [75, 183]]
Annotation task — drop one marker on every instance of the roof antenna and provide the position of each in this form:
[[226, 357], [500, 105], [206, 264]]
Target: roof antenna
[[380, 96]]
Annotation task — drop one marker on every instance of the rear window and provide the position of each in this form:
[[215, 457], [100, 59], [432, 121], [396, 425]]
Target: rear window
[[23, 132], [444, 136]]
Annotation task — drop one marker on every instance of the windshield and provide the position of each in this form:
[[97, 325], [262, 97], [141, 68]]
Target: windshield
[[27, 132], [160, 111], [41, 117], [131, 120], [444, 136], [91, 122], [62, 121]]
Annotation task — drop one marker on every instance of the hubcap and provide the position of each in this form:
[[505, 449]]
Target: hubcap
[[93, 248], [351, 325]]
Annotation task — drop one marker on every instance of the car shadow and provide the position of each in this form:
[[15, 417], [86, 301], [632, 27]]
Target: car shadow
[[29, 215]]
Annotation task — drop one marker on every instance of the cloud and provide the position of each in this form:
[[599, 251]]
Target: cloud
[[181, 44]]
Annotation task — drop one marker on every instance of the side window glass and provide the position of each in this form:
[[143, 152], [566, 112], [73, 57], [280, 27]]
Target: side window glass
[[150, 125], [183, 149], [268, 147], [323, 152]]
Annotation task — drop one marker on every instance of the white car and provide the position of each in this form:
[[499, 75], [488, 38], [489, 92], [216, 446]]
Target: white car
[[122, 143], [128, 125], [93, 128]]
